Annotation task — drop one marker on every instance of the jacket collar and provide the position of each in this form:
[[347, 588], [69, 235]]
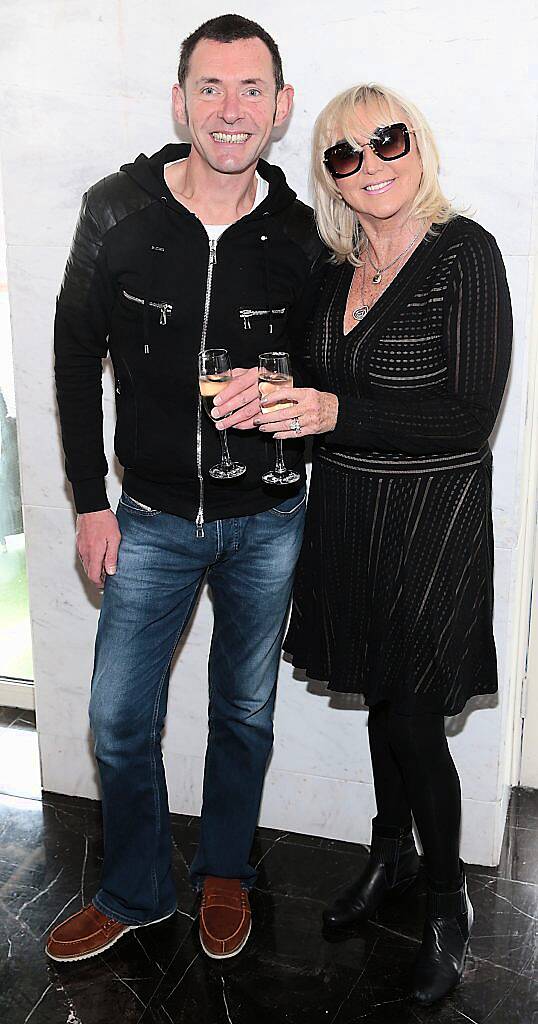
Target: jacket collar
[[148, 173]]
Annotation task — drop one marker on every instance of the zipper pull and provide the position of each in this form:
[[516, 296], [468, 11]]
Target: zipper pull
[[200, 524], [146, 350], [213, 250], [166, 309]]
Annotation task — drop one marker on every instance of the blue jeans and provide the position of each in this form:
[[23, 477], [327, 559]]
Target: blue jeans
[[249, 563]]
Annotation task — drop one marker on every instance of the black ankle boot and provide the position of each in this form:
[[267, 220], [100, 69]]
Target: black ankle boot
[[392, 867], [440, 962]]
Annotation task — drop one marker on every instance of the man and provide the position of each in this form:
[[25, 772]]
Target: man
[[197, 247]]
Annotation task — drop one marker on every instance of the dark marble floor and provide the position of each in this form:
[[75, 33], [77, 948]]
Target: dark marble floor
[[50, 857]]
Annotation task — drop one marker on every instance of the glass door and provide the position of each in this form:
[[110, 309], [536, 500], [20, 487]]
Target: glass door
[[15, 638]]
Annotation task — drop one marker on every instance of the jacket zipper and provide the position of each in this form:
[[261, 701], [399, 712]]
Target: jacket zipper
[[209, 282], [164, 307], [247, 314]]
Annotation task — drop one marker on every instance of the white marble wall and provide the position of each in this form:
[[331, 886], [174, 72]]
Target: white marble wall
[[85, 86]]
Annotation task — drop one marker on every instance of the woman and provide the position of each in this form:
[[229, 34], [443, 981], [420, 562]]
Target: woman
[[410, 350]]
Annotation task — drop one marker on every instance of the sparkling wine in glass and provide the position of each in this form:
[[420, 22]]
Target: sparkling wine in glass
[[215, 372], [274, 372]]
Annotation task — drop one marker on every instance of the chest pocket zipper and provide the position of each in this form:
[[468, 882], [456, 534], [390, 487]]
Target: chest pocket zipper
[[247, 315], [164, 307]]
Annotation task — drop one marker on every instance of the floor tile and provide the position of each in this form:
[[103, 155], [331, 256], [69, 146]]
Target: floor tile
[[8, 716], [289, 973], [25, 719]]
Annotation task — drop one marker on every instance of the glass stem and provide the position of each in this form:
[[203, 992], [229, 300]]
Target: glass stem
[[226, 460], [279, 464]]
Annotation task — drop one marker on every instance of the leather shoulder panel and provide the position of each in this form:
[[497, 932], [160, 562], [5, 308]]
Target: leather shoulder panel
[[104, 206], [115, 197]]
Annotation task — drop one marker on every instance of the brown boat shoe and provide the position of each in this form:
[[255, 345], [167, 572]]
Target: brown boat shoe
[[225, 918], [87, 933]]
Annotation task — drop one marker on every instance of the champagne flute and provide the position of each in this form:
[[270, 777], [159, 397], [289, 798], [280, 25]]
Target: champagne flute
[[274, 372], [215, 372]]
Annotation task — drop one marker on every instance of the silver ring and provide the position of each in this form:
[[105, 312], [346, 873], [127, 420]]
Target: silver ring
[[295, 425]]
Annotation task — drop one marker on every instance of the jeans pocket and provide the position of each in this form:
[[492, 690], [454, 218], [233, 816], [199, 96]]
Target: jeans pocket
[[137, 507], [290, 506]]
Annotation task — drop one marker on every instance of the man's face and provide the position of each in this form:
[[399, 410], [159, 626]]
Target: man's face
[[230, 103]]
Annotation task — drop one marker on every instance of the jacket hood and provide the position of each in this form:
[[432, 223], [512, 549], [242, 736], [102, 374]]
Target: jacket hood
[[148, 173]]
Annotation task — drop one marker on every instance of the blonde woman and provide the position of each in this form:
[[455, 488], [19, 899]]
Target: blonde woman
[[409, 350]]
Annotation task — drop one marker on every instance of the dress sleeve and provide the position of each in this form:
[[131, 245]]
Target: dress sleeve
[[477, 335]]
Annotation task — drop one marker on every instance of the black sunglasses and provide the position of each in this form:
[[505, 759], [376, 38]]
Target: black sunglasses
[[389, 143]]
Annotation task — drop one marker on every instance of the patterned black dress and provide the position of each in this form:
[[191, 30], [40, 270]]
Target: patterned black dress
[[394, 588]]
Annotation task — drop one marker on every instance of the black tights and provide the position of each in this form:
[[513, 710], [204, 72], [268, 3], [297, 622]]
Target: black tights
[[414, 774]]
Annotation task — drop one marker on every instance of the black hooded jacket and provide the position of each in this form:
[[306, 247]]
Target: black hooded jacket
[[136, 285]]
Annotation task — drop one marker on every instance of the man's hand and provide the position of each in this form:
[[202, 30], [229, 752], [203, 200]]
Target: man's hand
[[98, 539], [239, 401]]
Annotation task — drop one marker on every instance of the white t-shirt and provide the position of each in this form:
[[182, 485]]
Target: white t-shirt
[[214, 231]]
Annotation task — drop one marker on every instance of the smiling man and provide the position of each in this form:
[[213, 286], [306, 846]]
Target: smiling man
[[200, 246]]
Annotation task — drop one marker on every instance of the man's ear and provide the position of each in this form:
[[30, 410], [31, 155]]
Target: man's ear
[[180, 104], [284, 103]]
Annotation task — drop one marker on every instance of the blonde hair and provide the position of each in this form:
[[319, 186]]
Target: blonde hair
[[338, 223]]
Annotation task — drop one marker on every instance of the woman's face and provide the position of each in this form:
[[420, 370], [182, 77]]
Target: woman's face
[[381, 190]]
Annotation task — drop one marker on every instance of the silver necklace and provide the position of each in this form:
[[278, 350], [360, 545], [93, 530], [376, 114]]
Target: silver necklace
[[379, 271], [360, 312]]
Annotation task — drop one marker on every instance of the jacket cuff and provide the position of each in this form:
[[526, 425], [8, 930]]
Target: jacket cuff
[[90, 495]]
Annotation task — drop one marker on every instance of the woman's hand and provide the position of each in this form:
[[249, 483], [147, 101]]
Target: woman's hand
[[317, 412]]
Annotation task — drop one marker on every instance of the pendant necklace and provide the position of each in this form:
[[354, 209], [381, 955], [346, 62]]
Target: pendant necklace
[[379, 271], [362, 310]]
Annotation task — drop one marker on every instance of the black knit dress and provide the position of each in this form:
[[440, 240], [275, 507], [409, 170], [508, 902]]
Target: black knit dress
[[393, 595]]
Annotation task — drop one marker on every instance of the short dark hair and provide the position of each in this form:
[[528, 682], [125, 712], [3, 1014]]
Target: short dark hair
[[228, 28]]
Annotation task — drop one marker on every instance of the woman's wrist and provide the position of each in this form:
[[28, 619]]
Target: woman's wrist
[[330, 404]]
